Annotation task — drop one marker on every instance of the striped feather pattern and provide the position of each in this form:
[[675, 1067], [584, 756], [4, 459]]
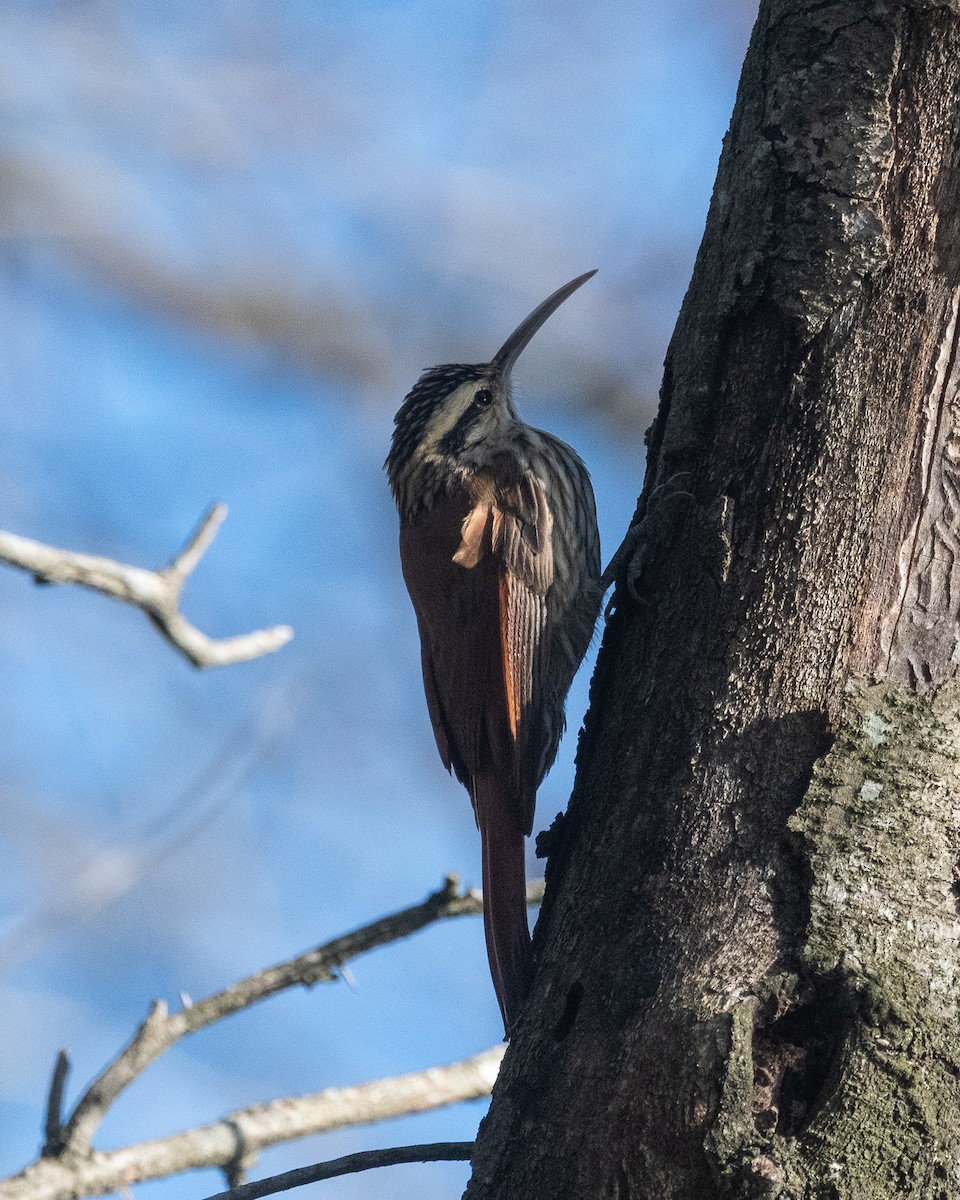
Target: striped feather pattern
[[501, 556]]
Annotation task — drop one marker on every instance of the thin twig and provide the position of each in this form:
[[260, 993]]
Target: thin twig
[[156, 593], [87, 890], [96, 1172], [53, 1123], [199, 542], [350, 1164], [161, 1029]]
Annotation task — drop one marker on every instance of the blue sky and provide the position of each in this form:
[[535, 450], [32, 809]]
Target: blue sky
[[232, 237]]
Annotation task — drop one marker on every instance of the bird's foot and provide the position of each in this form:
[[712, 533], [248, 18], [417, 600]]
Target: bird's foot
[[626, 566]]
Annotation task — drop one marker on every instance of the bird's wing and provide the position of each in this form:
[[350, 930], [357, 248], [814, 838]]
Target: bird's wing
[[522, 546], [478, 575], [454, 595], [434, 704]]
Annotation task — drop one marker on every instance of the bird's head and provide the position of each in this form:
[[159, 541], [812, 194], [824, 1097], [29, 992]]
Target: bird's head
[[455, 414]]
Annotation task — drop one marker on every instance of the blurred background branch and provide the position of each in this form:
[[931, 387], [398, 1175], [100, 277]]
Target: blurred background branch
[[156, 593], [99, 874]]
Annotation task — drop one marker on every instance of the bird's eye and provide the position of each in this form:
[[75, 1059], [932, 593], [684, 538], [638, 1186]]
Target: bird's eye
[[483, 397]]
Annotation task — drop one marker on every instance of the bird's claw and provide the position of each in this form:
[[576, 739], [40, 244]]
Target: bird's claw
[[626, 566]]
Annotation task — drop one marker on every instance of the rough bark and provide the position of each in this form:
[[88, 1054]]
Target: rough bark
[[747, 980]]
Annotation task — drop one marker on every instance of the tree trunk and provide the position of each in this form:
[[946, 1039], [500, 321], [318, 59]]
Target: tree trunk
[[748, 956]]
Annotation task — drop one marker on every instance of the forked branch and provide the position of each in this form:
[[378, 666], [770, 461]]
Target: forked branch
[[70, 1167], [156, 593], [249, 1130]]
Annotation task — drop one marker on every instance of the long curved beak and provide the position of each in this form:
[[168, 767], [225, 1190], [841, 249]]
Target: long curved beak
[[513, 347]]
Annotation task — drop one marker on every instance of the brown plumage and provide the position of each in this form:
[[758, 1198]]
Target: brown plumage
[[501, 556]]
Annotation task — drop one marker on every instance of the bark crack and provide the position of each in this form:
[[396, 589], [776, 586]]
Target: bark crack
[[933, 457]]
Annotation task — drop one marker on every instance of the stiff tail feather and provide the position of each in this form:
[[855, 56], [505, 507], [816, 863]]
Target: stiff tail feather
[[504, 897]]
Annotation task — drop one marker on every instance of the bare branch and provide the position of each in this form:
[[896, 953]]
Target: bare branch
[[161, 1029], [350, 1164], [53, 1124], [69, 1167], [199, 542], [95, 1173], [156, 593]]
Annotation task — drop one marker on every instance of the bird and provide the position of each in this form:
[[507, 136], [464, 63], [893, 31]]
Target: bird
[[500, 553]]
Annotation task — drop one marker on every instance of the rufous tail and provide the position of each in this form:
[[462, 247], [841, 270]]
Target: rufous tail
[[504, 897]]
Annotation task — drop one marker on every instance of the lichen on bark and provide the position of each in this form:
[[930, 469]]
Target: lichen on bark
[[880, 827], [881, 821]]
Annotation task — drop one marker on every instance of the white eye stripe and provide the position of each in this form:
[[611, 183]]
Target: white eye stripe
[[448, 414]]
